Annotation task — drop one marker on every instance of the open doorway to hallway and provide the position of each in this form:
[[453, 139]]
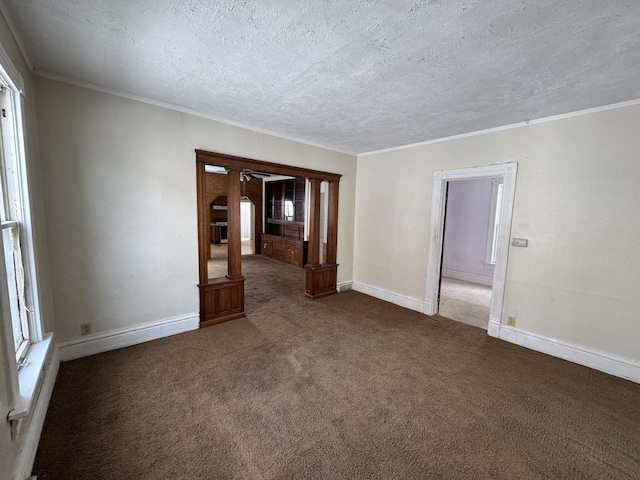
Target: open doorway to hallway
[[496, 249], [468, 253]]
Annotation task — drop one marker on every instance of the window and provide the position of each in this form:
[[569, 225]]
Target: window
[[10, 215], [494, 221], [26, 348]]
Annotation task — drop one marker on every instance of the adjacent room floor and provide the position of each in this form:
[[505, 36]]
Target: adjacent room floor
[[217, 264], [465, 302], [347, 387]]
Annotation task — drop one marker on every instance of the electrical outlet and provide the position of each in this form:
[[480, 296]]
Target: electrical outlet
[[511, 320], [85, 329]]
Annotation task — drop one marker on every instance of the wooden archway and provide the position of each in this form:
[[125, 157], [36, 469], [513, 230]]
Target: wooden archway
[[222, 298]]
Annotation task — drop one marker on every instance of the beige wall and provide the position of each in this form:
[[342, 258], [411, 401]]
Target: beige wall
[[120, 183], [577, 201]]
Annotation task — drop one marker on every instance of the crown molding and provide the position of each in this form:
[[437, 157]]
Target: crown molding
[[526, 123], [4, 11], [177, 108]]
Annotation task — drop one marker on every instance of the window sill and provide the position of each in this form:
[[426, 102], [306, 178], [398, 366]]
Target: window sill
[[30, 377]]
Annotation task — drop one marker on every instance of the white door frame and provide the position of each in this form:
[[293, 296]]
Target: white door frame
[[507, 172]]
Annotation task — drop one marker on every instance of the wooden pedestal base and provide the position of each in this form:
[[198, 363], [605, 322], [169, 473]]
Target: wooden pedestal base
[[221, 299], [321, 280]]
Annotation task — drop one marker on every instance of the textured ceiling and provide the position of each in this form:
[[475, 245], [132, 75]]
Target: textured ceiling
[[354, 75]]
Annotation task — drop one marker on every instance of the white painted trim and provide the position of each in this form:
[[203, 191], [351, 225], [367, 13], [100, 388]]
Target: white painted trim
[[467, 277], [602, 361], [125, 337], [177, 108], [506, 171], [605, 362], [436, 238], [493, 329], [526, 123], [11, 71], [487, 171], [4, 11], [344, 286], [30, 377], [27, 454], [391, 297]]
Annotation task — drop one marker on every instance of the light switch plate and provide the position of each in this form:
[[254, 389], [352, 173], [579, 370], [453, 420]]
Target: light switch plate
[[519, 242]]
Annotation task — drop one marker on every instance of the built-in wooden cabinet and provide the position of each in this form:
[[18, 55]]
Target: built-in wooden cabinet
[[285, 208], [284, 249], [284, 228]]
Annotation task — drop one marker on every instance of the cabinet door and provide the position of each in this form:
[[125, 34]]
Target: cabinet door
[[277, 196], [297, 257], [294, 252], [278, 250], [267, 246], [300, 184]]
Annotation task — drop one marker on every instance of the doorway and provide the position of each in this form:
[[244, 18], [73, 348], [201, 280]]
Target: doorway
[[222, 294], [247, 226], [442, 180], [466, 275]]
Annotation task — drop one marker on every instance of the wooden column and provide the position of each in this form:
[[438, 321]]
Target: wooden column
[[233, 221], [221, 299], [320, 280], [203, 224], [313, 257], [332, 224]]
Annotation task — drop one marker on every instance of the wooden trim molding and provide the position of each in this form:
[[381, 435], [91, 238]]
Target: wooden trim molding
[[332, 223], [203, 222], [224, 160], [222, 299], [314, 223], [320, 280], [234, 256]]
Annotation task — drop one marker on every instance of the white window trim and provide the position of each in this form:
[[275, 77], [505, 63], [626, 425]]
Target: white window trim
[[23, 382], [491, 228]]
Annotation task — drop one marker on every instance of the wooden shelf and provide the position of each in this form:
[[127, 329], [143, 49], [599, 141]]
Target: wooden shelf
[[284, 222], [285, 200]]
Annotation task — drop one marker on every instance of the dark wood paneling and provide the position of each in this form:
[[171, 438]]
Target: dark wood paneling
[[314, 222], [223, 160], [203, 224], [320, 280], [332, 224], [221, 300], [284, 249], [234, 255]]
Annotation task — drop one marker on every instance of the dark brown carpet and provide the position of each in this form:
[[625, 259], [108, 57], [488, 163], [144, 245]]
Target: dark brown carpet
[[346, 387]]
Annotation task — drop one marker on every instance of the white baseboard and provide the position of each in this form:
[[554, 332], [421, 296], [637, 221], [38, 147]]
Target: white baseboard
[[395, 298], [467, 277], [344, 286], [27, 454], [493, 329], [125, 337], [605, 362], [429, 309]]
